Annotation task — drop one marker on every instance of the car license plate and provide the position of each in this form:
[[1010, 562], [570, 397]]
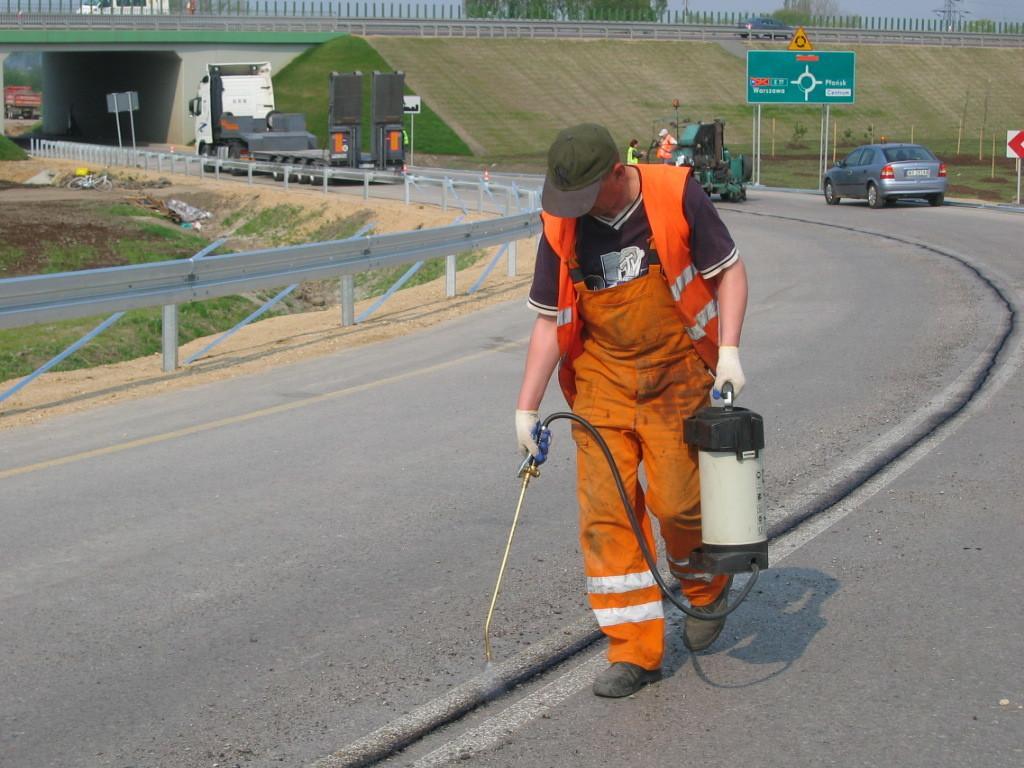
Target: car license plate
[[919, 172]]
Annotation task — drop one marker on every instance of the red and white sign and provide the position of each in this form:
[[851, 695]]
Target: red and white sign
[[1015, 144]]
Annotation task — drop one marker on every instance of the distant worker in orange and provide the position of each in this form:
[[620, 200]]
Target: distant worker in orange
[[666, 145]]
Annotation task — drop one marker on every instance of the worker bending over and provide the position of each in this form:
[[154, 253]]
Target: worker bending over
[[640, 294]]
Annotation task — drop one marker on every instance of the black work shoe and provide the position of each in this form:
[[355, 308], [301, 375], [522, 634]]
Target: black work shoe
[[699, 634], [624, 679]]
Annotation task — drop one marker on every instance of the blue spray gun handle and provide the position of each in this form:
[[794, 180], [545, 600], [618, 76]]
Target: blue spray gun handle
[[542, 437]]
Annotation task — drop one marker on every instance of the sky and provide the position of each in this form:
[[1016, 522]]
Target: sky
[[996, 10]]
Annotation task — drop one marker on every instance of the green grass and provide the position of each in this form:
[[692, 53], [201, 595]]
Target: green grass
[[302, 86], [125, 209], [509, 114], [10, 258], [138, 333], [10, 151], [277, 225], [67, 258]]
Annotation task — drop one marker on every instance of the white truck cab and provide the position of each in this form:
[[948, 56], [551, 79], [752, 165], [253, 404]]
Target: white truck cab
[[128, 7], [246, 90]]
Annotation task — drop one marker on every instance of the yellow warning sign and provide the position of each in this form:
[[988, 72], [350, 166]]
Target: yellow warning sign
[[800, 41]]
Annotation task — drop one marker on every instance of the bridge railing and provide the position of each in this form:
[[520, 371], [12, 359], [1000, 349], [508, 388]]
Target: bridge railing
[[452, 10], [482, 28]]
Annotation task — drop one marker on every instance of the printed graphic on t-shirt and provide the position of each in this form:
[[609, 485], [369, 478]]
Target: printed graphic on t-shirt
[[623, 266]]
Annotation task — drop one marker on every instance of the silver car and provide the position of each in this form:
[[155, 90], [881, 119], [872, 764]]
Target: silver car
[[881, 173]]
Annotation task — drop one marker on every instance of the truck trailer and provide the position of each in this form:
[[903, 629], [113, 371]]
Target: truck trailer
[[236, 119]]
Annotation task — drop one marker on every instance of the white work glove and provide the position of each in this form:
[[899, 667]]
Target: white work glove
[[729, 369], [526, 425]]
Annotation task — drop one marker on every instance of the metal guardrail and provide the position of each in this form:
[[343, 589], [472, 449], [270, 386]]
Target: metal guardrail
[[484, 28], [510, 198], [42, 298]]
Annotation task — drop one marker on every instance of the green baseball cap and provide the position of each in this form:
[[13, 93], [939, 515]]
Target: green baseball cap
[[578, 160]]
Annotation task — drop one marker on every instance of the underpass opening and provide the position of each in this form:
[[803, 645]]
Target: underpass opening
[[76, 84]]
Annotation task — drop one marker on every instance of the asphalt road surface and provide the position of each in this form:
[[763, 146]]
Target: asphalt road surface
[[278, 569]]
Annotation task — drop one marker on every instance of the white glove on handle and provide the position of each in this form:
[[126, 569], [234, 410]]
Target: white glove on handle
[[525, 422], [729, 369]]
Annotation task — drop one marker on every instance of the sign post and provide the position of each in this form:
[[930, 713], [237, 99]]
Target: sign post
[[802, 76], [1015, 148], [128, 101], [411, 105]]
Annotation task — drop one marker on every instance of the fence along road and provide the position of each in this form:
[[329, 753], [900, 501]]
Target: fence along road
[[484, 28]]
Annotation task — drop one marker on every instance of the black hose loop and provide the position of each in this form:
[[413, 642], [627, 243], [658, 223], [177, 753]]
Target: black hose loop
[[634, 523]]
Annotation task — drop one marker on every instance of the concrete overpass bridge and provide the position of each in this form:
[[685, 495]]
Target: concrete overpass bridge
[[161, 56], [81, 66]]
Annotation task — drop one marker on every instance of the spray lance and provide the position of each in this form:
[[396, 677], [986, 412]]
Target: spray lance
[[730, 443]]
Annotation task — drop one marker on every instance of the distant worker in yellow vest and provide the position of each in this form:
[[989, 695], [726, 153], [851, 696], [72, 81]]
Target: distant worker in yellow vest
[[633, 153], [666, 144]]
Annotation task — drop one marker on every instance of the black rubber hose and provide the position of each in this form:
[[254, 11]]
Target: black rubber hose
[[652, 562]]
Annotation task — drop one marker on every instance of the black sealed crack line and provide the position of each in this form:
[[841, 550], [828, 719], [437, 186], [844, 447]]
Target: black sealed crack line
[[474, 693]]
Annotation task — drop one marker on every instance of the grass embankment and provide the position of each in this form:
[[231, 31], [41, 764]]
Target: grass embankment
[[10, 151], [508, 98], [303, 86], [135, 240]]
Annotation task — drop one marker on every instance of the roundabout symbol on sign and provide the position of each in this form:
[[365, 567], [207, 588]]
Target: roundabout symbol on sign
[[807, 82]]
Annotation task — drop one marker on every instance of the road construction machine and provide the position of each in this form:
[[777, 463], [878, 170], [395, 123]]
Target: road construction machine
[[702, 147]]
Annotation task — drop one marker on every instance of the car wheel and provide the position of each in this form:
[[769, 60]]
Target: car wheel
[[936, 200], [830, 193], [875, 199]]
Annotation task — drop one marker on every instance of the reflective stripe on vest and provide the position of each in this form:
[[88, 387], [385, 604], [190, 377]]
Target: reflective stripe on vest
[[682, 281], [564, 316], [705, 316]]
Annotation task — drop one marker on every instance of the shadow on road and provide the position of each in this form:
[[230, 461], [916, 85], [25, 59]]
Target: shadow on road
[[772, 629]]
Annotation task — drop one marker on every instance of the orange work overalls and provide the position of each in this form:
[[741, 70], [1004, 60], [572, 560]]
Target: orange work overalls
[[637, 378]]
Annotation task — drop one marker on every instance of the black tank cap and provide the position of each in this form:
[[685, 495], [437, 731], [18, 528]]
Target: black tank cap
[[725, 429]]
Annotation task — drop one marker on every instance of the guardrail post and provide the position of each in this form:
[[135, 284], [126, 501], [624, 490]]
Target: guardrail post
[[444, 194], [216, 169], [480, 196], [250, 172], [408, 187], [512, 253], [327, 175], [366, 186], [169, 339], [287, 173], [348, 300], [449, 275]]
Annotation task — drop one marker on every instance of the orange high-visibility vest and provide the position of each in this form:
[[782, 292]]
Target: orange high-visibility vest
[[663, 188], [666, 147]]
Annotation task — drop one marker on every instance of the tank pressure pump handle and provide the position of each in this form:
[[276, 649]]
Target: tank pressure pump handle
[[727, 394]]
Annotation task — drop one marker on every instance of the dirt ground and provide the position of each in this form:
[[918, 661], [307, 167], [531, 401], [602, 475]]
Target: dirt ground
[[263, 344]]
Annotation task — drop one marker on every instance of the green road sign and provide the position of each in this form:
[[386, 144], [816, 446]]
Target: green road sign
[[800, 77]]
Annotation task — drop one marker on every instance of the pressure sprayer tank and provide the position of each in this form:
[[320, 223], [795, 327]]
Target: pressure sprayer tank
[[730, 442]]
